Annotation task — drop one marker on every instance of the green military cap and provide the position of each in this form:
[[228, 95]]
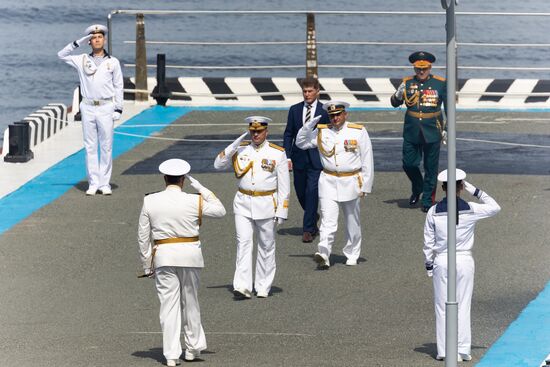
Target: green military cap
[[421, 59]]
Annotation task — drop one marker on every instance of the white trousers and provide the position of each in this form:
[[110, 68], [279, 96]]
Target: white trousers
[[465, 269], [329, 225], [265, 259], [177, 291], [97, 129]]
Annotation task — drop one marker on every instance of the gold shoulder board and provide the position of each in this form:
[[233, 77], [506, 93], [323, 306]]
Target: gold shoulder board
[[355, 126], [276, 147], [322, 126], [407, 78], [439, 78], [244, 143]]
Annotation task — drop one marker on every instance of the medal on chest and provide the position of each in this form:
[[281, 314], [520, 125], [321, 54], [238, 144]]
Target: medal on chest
[[430, 98], [350, 145], [268, 165]]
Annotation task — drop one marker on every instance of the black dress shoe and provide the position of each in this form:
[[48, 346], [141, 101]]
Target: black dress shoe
[[307, 237], [425, 209], [414, 199]]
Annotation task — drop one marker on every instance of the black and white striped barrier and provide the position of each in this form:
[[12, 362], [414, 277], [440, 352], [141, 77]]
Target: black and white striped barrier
[[43, 124], [367, 92]]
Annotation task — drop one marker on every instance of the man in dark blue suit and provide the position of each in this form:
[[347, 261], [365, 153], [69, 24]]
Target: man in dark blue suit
[[305, 164]]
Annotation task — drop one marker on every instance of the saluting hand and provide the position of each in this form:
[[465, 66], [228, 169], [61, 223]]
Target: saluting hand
[[194, 183], [243, 136], [311, 123], [84, 40], [238, 141], [471, 189]]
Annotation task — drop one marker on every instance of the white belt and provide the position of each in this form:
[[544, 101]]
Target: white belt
[[97, 102]]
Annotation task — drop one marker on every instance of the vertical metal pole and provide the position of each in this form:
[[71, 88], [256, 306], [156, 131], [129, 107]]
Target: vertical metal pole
[[141, 58], [451, 306], [109, 33], [311, 47]]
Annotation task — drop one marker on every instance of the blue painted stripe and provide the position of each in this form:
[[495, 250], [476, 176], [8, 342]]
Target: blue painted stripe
[[526, 342], [57, 180]]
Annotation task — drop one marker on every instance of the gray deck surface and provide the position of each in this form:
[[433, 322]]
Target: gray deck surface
[[70, 296]]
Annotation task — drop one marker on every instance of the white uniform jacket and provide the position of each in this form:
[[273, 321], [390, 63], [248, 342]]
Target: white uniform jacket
[[346, 156], [264, 181], [173, 213], [435, 227], [96, 82]]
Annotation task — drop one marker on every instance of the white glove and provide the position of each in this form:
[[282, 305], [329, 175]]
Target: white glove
[[444, 137], [278, 221], [194, 183], [84, 40], [116, 116], [238, 141], [310, 125], [244, 135], [429, 270], [399, 92], [471, 189]]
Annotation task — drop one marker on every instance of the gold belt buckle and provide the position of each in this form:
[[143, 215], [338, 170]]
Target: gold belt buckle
[[96, 103]]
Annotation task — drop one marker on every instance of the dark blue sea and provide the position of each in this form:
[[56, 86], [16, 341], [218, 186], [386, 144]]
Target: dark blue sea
[[34, 30]]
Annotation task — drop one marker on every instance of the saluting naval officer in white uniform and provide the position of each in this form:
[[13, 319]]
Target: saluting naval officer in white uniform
[[259, 205], [101, 86], [435, 251], [170, 251], [346, 155]]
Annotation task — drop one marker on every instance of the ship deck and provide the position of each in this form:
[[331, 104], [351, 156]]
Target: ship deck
[[71, 296]]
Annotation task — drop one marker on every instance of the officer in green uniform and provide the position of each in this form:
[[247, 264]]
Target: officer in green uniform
[[424, 127]]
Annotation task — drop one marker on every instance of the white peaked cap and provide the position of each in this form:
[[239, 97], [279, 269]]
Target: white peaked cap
[[460, 175], [335, 106], [96, 28], [175, 167], [260, 119]]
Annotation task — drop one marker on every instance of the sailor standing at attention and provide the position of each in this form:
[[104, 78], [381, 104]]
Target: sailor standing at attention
[[171, 219], [101, 86], [260, 204], [435, 251], [348, 172], [424, 127]]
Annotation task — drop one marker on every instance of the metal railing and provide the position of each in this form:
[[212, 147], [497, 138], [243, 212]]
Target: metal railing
[[311, 42]]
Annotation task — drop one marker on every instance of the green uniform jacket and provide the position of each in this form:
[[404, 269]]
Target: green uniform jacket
[[425, 97]]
